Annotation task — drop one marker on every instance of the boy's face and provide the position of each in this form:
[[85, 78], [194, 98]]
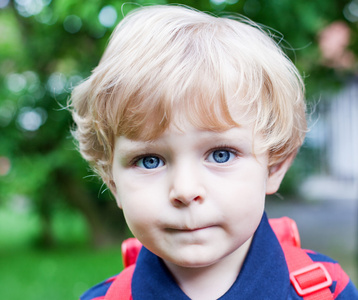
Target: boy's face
[[193, 197]]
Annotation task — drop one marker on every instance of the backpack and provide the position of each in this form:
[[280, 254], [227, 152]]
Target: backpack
[[311, 280]]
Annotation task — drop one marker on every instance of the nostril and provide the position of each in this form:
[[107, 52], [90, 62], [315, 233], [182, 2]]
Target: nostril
[[185, 201], [177, 202]]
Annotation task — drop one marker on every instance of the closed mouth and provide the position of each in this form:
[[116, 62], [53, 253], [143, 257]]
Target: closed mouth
[[186, 229]]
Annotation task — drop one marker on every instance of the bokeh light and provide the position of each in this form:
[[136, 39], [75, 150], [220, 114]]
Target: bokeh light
[[31, 119], [72, 24], [351, 11], [28, 8], [16, 82], [56, 83], [4, 3], [107, 16]]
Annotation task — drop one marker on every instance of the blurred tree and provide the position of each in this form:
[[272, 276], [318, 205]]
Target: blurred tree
[[47, 47]]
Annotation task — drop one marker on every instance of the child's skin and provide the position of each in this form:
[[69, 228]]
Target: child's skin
[[195, 198]]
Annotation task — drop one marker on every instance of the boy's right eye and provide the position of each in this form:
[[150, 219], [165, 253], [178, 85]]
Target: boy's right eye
[[149, 162]]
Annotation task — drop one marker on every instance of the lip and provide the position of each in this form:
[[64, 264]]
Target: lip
[[188, 229]]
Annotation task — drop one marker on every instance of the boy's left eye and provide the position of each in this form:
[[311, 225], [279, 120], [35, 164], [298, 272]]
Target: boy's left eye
[[221, 156]]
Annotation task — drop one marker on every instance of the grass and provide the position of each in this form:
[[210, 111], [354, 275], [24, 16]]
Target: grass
[[57, 275], [63, 273]]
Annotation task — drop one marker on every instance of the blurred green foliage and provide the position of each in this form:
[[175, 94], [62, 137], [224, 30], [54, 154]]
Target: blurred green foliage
[[56, 275], [47, 47]]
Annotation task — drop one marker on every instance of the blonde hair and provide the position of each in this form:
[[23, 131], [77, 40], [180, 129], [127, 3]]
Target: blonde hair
[[166, 61]]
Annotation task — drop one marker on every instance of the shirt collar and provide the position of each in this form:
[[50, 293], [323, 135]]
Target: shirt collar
[[264, 274]]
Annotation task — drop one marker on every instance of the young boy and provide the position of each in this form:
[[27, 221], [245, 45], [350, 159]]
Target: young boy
[[191, 120]]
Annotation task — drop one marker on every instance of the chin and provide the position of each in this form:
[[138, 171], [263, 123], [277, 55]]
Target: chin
[[193, 261]]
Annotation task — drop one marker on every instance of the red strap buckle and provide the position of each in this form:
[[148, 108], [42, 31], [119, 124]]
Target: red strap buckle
[[310, 279]]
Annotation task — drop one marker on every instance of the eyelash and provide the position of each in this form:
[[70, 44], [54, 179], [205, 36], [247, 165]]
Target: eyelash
[[225, 148], [230, 149], [133, 162]]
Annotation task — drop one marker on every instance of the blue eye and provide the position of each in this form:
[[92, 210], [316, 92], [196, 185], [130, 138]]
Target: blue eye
[[220, 156], [150, 162]]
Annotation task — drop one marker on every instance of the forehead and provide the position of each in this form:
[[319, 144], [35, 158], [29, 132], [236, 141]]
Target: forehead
[[186, 137], [148, 119]]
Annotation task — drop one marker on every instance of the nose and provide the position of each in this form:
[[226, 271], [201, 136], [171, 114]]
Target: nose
[[186, 185]]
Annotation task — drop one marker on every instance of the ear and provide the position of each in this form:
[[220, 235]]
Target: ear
[[277, 172], [112, 186]]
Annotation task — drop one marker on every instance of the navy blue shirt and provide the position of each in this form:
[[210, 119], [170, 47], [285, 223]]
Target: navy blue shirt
[[264, 275]]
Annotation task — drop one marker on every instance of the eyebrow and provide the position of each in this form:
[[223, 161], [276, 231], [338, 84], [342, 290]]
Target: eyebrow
[[128, 149]]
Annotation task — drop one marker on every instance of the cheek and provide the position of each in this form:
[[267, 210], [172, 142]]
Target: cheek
[[241, 188], [243, 207], [242, 200], [138, 215], [140, 202]]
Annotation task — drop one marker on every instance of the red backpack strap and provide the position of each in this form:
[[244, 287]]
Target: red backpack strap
[[130, 251], [286, 231], [311, 280], [121, 289]]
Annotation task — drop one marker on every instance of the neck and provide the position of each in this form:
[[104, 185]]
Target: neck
[[213, 281]]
